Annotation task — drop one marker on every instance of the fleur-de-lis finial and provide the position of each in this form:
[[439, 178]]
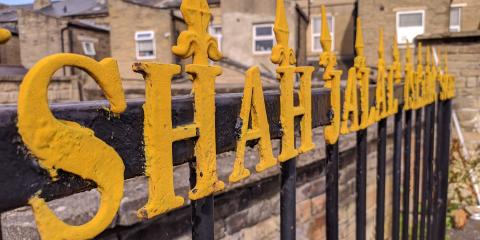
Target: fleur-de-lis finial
[[328, 60], [397, 66], [196, 41], [282, 54], [381, 48]]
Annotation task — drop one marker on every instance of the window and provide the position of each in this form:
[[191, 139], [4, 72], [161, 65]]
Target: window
[[89, 48], [409, 25], [317, 30], [263, 38], [216, 31], [455, 19], [145, 45]]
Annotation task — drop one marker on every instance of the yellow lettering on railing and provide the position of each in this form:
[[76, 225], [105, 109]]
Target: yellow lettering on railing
[[70, 147], [331, 77], [159, 136], [284, 56], [253, 105]]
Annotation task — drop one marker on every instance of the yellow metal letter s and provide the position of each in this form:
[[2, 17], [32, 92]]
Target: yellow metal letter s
[[68, 146]]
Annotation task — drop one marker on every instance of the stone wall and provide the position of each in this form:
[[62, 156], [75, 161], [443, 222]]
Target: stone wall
[[463, 50], [246, 210], [127, 18], [382, 13], [60, 89], [10, 51]]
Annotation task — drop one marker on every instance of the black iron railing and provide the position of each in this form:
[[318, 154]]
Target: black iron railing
[[21, 177]]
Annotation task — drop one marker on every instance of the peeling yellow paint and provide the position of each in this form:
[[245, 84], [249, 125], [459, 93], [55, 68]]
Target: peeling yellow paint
[[283, 55], [68, 146], [195, 42], [159, 136], [253, 105], [331, 77]]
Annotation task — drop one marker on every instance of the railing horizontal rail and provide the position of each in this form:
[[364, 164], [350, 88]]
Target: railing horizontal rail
[[21, 177]]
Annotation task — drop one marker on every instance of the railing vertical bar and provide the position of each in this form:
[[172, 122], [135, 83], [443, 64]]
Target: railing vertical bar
[[361, 185], [287, 200], [202, 212], [332, 190], [426, 171], [397, 174], [442, 161], [406, 176], [381, 174], [431, 175], [416, 172]]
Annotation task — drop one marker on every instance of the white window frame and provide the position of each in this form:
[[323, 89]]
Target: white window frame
[[255, 38], [332, 33], [152, 38], [85, 48], [456, 28], [219, 37], [399, 34]]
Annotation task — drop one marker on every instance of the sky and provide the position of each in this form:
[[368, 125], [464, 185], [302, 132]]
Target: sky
[[11, 2]]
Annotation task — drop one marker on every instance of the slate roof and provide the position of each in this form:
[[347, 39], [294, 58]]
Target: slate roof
[[164, 3], [68, 8]]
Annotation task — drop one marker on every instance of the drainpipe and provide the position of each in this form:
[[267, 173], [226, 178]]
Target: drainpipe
[[62, 40]]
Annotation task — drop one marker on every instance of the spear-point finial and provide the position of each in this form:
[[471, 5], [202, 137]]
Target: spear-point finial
[[325, 38], [419, 54], [395, 51], [445, 62], [196, 41], [428, 58], [281, 24], [409, 54], [359, 45], [381, 49], [282, 54]]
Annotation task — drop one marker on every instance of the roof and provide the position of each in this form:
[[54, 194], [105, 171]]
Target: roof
[[68, 8], [163, 3], [86, 24], [449, 35]]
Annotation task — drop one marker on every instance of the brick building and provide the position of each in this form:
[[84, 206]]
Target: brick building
[[44, 28]]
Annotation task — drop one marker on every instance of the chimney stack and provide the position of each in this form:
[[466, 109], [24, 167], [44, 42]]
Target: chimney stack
[[39, 4]]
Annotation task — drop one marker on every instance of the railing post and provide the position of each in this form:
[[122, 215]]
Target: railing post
[[332, 190], [397, 173], [416, 172], [442, 161], [381, 173], [287, 199], [202, 212], [429, 111], [432, 177], [406, 176], [361, 185]]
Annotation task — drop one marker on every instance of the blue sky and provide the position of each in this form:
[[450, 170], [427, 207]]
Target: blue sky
[[15, 1]]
